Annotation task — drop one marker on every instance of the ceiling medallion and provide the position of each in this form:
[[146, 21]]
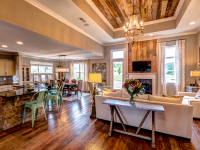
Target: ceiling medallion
[[59, 69], [134, 30]]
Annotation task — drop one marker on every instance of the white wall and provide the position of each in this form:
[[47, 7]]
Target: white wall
[[106, 59]]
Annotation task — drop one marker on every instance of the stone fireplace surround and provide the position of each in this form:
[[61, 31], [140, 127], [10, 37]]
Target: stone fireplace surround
[[152, 76]]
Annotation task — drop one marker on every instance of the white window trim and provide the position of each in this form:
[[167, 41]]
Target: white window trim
[[111, 69]]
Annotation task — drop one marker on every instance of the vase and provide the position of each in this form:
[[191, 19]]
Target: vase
[[132, 98]]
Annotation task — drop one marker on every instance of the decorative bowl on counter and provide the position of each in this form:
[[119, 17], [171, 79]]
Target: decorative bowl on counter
[[30, 90]]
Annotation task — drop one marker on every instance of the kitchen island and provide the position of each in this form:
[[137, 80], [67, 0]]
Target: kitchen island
[[12, 107]]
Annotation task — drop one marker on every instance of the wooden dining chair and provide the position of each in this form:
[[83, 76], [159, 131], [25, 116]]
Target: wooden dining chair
[[52, 81], [60, 82], [73, 81], [78, 88], [66, 80]]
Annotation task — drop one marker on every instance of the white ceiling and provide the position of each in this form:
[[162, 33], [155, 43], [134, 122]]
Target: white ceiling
[[37, 45], [70, 11]]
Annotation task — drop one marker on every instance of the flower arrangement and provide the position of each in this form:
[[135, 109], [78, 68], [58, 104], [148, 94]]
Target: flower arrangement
[[133, 86]]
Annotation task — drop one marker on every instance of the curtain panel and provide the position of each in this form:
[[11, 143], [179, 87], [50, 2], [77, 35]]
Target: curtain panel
[[71, 70], [180, 66], [162, 88], [86, 74]]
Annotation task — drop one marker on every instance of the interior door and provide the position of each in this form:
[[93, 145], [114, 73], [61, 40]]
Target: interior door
[[117, 72]]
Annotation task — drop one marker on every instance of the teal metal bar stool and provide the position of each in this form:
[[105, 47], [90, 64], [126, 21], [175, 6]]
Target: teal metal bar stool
[[34, 105], [60, 90], [54, 96]]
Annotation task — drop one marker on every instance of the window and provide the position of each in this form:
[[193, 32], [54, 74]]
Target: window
[[78, 71], [34, 69], [41, 69], [43, 78], [49, 70], [117, 54], [170, 71], [49, 76], [36, 78]]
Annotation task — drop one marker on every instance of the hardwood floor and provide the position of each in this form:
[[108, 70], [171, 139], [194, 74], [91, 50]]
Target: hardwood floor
[[72, 128]]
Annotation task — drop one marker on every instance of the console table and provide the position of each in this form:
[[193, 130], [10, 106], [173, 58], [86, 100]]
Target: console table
[[139, 105]]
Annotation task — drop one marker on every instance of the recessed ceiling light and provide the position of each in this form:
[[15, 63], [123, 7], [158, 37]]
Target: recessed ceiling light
[[191, 23], [20, 43], [4, 46], [86, 24], [150, 34]]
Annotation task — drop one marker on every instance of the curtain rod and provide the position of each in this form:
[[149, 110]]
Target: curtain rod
[[171, 40]]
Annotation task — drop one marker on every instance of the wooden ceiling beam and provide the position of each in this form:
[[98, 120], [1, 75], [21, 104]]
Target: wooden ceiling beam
[[163, 8]]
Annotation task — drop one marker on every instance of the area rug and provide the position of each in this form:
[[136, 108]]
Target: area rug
[[74, 97]]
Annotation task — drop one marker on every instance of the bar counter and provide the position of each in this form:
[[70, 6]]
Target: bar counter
[[12, 107]]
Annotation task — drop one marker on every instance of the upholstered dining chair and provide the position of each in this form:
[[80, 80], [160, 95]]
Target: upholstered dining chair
[[60, 82], [78, 88], [66, 80], [73, 81], [52, 81]]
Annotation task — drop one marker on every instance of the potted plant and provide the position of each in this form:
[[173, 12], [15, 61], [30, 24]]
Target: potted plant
[[30, 88], [133, 87], [36, 83], [46, 83]]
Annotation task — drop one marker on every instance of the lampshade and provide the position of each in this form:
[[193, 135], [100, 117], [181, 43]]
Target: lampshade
[[194, 73], [94, 77], [60, 70]]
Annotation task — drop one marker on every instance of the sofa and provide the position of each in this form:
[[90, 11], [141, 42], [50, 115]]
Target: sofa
[[177, 119], [189, 99]]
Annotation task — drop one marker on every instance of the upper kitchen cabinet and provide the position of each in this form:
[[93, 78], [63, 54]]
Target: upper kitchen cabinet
[[2, 67], [7, 67]]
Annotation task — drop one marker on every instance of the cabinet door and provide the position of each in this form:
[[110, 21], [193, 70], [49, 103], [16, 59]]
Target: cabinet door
[[9, 67], [2, 67]]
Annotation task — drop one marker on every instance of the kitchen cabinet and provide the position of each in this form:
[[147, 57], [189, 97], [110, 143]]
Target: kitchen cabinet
[[2, 67], [26, 73], [7, 67]]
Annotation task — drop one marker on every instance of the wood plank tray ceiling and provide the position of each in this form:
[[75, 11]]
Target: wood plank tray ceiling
[[117, 12]]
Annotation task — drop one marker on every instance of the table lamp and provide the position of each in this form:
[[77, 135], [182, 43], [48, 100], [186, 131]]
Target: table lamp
[[94, 78], [195, 74]]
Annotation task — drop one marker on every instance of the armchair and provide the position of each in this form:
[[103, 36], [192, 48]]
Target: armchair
[[190, 97]]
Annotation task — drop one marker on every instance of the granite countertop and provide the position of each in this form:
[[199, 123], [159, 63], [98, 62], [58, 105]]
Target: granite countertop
[[22, 91]]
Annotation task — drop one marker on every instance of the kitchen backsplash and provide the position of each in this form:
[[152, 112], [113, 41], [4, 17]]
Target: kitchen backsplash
[[5, 80]]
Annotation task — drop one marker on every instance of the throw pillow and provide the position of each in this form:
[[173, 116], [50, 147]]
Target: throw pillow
[[172, 96], [165, 99], [112, 94], [108, 90]]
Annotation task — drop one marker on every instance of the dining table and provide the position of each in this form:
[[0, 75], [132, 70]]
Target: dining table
[[68, 86]]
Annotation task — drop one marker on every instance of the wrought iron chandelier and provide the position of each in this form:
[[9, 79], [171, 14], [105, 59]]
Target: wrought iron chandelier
[[60, 69], [134, 30]]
